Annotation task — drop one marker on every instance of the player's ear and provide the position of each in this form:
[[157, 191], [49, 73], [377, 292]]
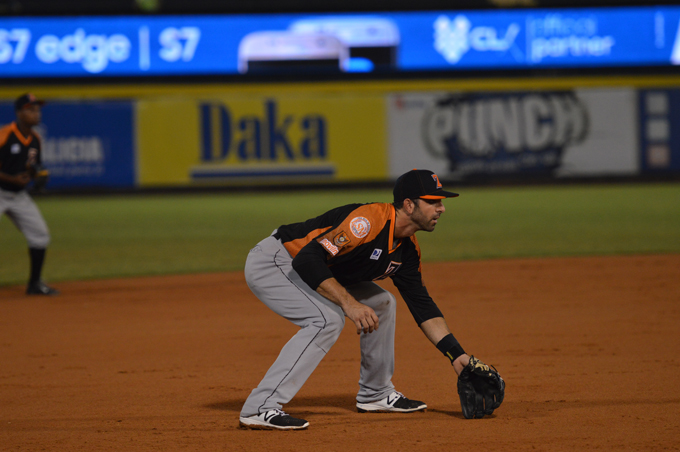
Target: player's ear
[[409, 206]]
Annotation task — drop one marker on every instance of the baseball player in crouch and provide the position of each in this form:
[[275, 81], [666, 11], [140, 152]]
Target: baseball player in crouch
[[318, 272], [20, 162]]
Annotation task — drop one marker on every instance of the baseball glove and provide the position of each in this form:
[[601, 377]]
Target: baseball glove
[[480, 388], [40, 177]]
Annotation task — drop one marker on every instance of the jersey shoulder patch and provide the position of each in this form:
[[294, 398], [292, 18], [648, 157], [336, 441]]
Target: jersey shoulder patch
[[361, 224], [368, 219], [360, 227]]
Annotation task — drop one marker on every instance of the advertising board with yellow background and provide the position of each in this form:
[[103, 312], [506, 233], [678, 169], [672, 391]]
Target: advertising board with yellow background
[[183, 135], [231, 139]]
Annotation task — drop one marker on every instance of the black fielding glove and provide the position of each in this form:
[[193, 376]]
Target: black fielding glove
[[480, 388]]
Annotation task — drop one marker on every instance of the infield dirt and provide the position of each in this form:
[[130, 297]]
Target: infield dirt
[[589, 349]]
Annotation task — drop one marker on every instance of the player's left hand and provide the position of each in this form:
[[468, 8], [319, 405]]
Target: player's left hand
[[40, 177], [480, 388]]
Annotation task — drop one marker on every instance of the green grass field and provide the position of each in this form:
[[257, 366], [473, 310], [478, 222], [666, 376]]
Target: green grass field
[[113, 236]]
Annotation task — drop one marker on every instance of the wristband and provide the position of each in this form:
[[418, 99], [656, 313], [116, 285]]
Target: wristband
[[450, 347]]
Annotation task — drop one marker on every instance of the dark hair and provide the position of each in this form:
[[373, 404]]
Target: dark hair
[[400, 204]]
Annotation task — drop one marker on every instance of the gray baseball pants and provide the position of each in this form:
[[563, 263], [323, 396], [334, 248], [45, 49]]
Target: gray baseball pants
[[270, 275], [25, 215]]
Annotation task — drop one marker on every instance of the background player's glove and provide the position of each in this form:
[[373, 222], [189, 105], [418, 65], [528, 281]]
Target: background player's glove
[[480, 388], [40, 177]]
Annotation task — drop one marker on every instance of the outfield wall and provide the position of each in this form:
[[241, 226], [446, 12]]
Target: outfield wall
[[126, 136]]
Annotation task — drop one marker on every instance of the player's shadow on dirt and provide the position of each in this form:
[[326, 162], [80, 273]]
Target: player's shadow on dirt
[[340, 401]]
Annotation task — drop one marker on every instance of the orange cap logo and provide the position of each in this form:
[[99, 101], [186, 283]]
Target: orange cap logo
[[436, 179]]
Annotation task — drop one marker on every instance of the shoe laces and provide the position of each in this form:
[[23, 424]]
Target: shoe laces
[[399, 396], [267, 416]]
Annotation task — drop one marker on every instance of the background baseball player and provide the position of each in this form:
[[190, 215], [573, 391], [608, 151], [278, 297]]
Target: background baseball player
[[20, 162], [317, 272]]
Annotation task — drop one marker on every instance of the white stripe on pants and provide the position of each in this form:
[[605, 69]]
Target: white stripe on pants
[[270, 275]]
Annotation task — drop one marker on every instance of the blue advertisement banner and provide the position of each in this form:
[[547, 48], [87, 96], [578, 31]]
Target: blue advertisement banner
[[297, 43], [659, 137], [85, 144]]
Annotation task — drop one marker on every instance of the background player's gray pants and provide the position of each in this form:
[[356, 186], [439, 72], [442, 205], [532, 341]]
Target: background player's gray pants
[[23, 212], [271, 277]]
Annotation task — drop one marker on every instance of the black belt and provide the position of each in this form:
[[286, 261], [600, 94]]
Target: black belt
[[276, 235]]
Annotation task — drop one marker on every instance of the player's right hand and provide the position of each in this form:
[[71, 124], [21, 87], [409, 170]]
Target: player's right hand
[[363, 317]]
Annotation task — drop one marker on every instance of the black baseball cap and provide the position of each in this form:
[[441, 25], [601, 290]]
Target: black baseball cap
[[26, 99], [420, 184]]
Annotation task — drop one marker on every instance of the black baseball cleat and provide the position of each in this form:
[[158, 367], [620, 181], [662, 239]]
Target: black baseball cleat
[[273, 420], [393, 403], [40, 288]]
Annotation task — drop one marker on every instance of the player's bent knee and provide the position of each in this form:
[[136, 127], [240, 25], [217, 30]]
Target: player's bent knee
[[329, 332], [330, 326], [391, 301], [39, 241], [386, 304], [333, 326]]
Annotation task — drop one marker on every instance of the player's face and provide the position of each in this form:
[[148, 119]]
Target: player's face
[[426, 213], [30, 115]]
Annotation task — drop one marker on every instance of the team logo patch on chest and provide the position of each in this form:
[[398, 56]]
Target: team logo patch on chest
[[360, 227], [15, 148], [376, 254], [391, 269]]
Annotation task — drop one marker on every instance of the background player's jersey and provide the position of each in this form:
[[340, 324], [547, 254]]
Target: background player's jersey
[[15, 149], [355, 243]]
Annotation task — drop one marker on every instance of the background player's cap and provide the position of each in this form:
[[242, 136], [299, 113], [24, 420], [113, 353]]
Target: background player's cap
[[420, 184], [27, 99]]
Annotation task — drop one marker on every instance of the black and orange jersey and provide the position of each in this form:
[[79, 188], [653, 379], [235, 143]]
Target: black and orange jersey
[[356, 243], [15, 151]]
